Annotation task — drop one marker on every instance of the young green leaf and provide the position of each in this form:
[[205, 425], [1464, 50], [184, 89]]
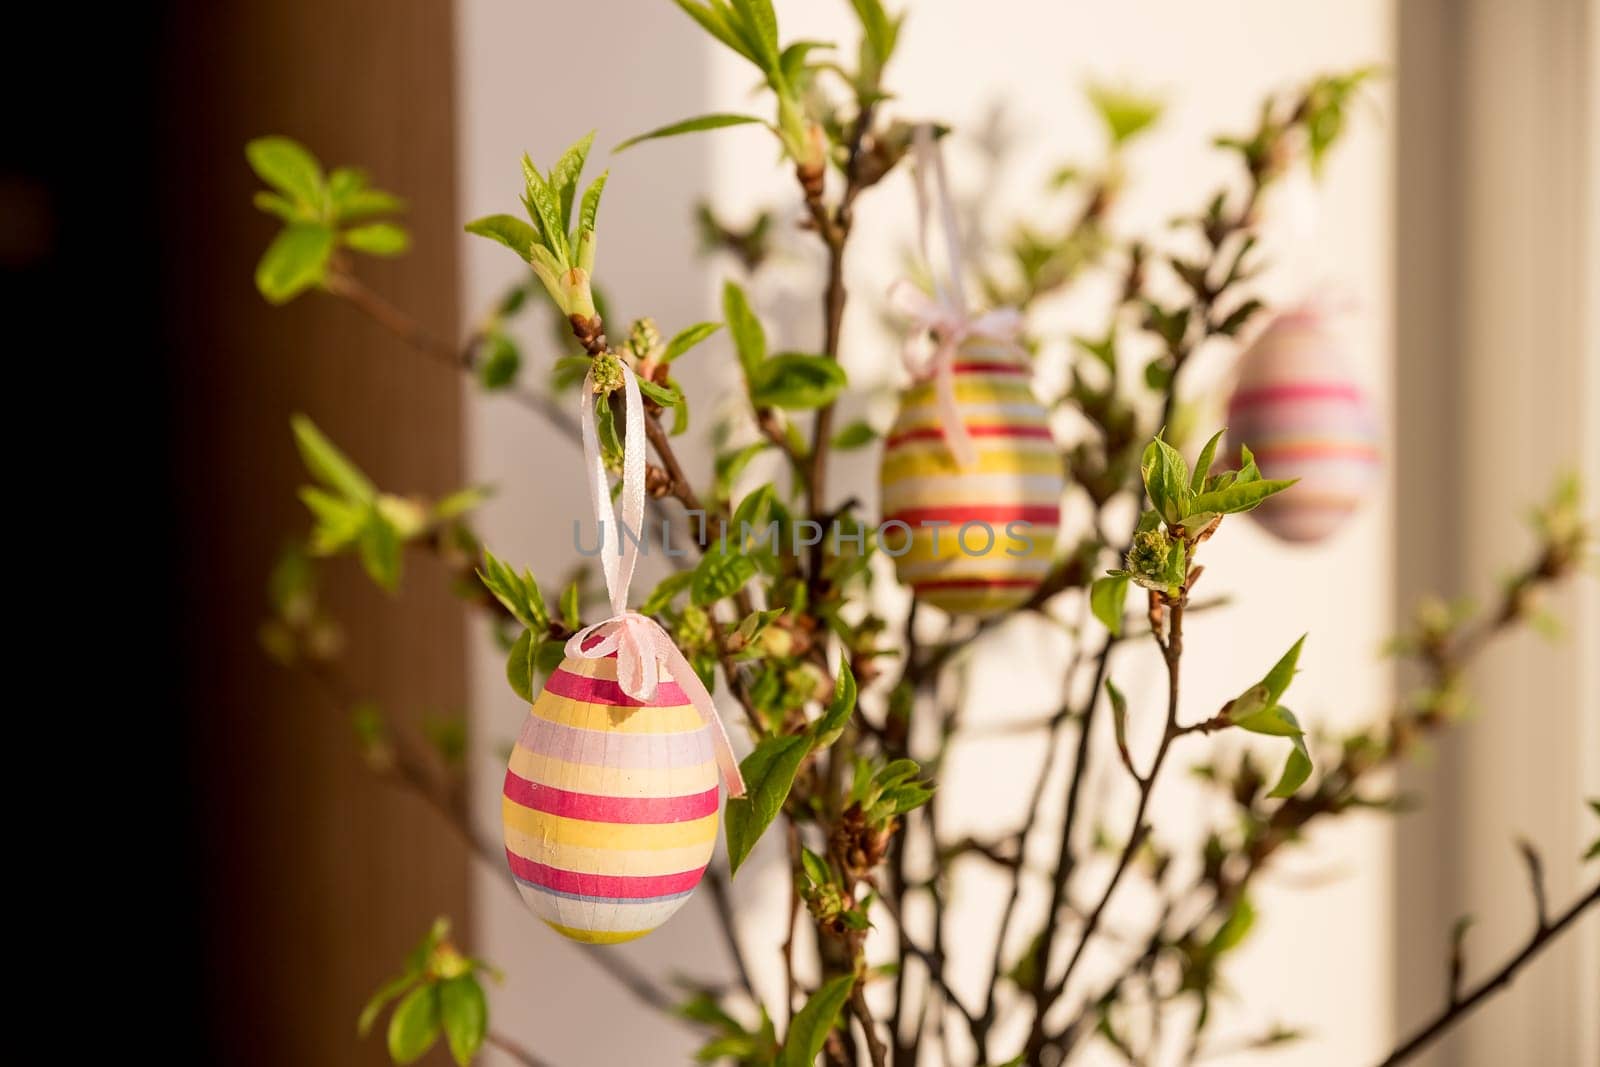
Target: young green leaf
[[377, 239], [666, 592], [749, 339], [327, 464], [1240, 496], [1119, 720], [519, 593], [1297, 768], [571, 609], [545, 210], [1106, 598], [464, 1012], [1166, 480], [768, 775], [565, 174], [414, 1026], [720, 573], [1202, 466], [796, 382], [809, 1028], [1282, 673], [520, 667], [296, 260], [826, 730], [694, 125], [714, 18], [855, 435], [285, 165], [499, 362], [509, 231], [366, 204], [379, 550], [276, 205], [687, 338], [391, 989]]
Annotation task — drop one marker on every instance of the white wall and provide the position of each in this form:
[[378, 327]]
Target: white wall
[[1319, 957]]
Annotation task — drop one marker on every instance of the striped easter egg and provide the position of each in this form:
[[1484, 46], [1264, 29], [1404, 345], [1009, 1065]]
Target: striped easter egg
[[1000, 515], [1301, 412], [610, 804]]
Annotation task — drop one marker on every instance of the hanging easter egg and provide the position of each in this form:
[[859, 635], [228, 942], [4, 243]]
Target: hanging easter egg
[[610, 803], [974, 537], [1300, 411]]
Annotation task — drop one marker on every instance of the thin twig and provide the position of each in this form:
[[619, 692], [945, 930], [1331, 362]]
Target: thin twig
[[1543, 934]]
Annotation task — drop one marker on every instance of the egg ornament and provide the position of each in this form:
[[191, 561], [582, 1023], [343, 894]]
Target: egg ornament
[[1298, 408], [971, 483]]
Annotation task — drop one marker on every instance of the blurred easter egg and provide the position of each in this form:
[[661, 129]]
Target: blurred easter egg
[[1298, 408], [610, 804], [974, 540]]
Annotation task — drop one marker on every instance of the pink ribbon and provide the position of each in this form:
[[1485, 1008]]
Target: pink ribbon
[[641, 646], [943, 315]]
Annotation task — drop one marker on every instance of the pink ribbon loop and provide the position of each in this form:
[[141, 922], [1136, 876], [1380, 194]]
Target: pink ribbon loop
[[944, 315], [641, 646]]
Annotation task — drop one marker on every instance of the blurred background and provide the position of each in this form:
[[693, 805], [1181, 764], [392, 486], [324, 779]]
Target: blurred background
[[1460, 221]]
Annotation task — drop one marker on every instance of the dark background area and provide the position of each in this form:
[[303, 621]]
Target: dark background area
[[241, 884]]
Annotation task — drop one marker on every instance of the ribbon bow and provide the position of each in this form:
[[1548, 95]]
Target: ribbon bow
[[944, 315], [641, 646]]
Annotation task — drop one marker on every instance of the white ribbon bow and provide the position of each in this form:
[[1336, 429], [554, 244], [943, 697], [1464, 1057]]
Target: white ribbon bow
[[944, 315], [641, 646]]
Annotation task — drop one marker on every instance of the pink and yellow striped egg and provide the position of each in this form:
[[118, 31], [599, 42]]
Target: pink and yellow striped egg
[[976, 540], [1298, 408], [610, 804]]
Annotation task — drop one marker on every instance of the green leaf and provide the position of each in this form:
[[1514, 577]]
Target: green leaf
[[571, 609], [1277, 680], [565, 174], [327, 464], [1119, 719], [509, 231], [1126, 114], [519, 593], [720, 573], [274, 204], [855, 435], [365, 204], [520, 666], [414, 1026], [1297, 768], [374, 1006], [589, 210], [1202, 467], [377, 239], [687, 338], [826, 730], [664, 593], [1234, 929], [768, 776], [1166, 480], [809, 1028], [764, 21], [1106, 598], [715, 22], [1240, 496], [749, 339], [296, 260], [499, 362], [285, 165], [815, 867], [694, 125], [465, 1014], [379, 550], [796, 382], [545, 208]]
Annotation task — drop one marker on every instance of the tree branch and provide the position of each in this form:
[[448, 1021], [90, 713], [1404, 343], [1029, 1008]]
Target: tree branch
[[1459, 1007]]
